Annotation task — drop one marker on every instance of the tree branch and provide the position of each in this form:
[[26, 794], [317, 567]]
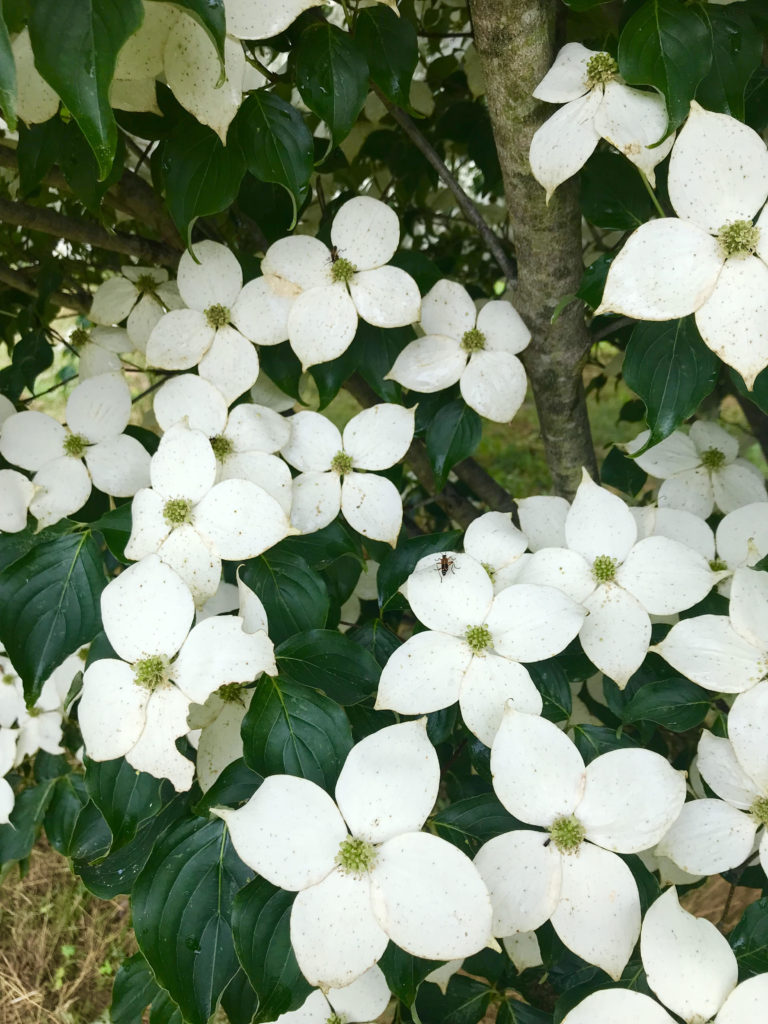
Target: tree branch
[[67, 300]]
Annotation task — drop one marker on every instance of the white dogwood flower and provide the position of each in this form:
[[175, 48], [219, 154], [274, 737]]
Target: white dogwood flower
[[742, 537], [474, 643], [711, 259], [335, 470], [138, 295], [97, 413], [262, 20], [479, 350], [16, 493], [213, 332], [138, 707], [363, 1000], [98, 349], [690, 968], [598, 104], [493, 540], [622, 802], [7, 758], [364, 871], [700, 470]]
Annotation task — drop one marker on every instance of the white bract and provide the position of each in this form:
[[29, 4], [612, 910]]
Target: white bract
[[701, 471], [712, 260], [622, 802], [97, 413], [742, 537], [691, 969], [472, 649], [247, 19], [364, 871], [725, 654], [215, 333], [363, 1000], [493, 540], [98, 349], [597, 105], [620, 580], [16, 493], [479, 350], [330, 465], [137, 708], [313, 295], [140, 296]]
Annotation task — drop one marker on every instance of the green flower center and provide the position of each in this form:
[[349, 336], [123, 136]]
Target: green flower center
[[759, 810], [739, 238], [567, 834], [146, 283], [75, 445], [149, 673], [601, 68], [718, 565], [604, 568], [342, 270], [713, 458], [217, 315], [478, 638], [79, 337], [222, 447], [177, 511], [341, 463], [34, 712], [8, 679], [231, 693], [335, 1019], [490, 571], [473, 341], [356, 857]]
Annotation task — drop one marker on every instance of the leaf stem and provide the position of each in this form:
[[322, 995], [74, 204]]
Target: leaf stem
[[651, 193]]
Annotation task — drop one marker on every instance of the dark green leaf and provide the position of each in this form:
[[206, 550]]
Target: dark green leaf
[[398, 566], [32, 354], [67, 801], [164, 1010], [465, 1001], [295, 597], [592, 282], [281, 364], [667, 44], [612, 193], [14, 546], [133, 991], [471, 822], [37, 152], [648, 887], [593, 740], [289, 729], [124, 796], [323, 548], [76, 43], [7, 77], [209, 14], [749, 940], [671, 369], [552, 683], [453, 435], [377, 638], [90, 841], [49, 606], [236, 784], [332, 76], [240, 1001], [329, 661], [330, 376], [181, 906], [759, 393], [18, 836], [736, 54], [623, 473], [404, 973], [676, 703], [261, 915], [115, 527], [391, 49], [376, 349], [512, 1011]]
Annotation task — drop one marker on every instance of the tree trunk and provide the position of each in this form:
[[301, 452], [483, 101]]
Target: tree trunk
[[516, 44]]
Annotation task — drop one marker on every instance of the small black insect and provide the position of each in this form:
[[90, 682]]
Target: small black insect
[[548, 840], [444, 565], [334, 253]]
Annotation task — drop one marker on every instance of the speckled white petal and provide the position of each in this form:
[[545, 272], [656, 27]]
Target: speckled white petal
[[194, 398], [155, 751], [215, 280], [451, 602], [566, 80], [366, 232], [219, 651], [565, 141], [734, 319], [30, 439], [742, 536], [372, 505], [289, 831], [220, 743], [709, 651], [16, 492], [119, 467], [425, 674], [708, 837], [7, 801], [257, 428], [179, 340], [668, 268], [749, 606], [195, 560], [266, 392], [706, 435], [494, 385], [598, 916], [386, 297], [675, 454], [561, 568], [240, 519], [441, 976], [748, 732], [148, 525], [489, 683], [688, 963], [429, 364], [665, 576], [100, 407], [631, 798], [95, 361], [542, 519], [193, 73], [7, 408], [523, 950], [184, 465], [35, 101], [747, 1004], [503, 327], [429, 897], [523, 878], [113, 301], [266, 471], [142, 54], [529, 622], [61, 488], [147, 610], [448, 310], [316, 501], [247, 20], [737, 485], [494, 539], [142, 320], [322, 324], [389, 782], [616, 632], [365, 999], [138, 96], [678, 525], [690, 491], [599, 523], [612, 1005], [379, 437], [261, 314], [313, 444], [719, 767], [538, 773], [718, 172], [231, 364], [295, 264], [632, 121], [112, 709]]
